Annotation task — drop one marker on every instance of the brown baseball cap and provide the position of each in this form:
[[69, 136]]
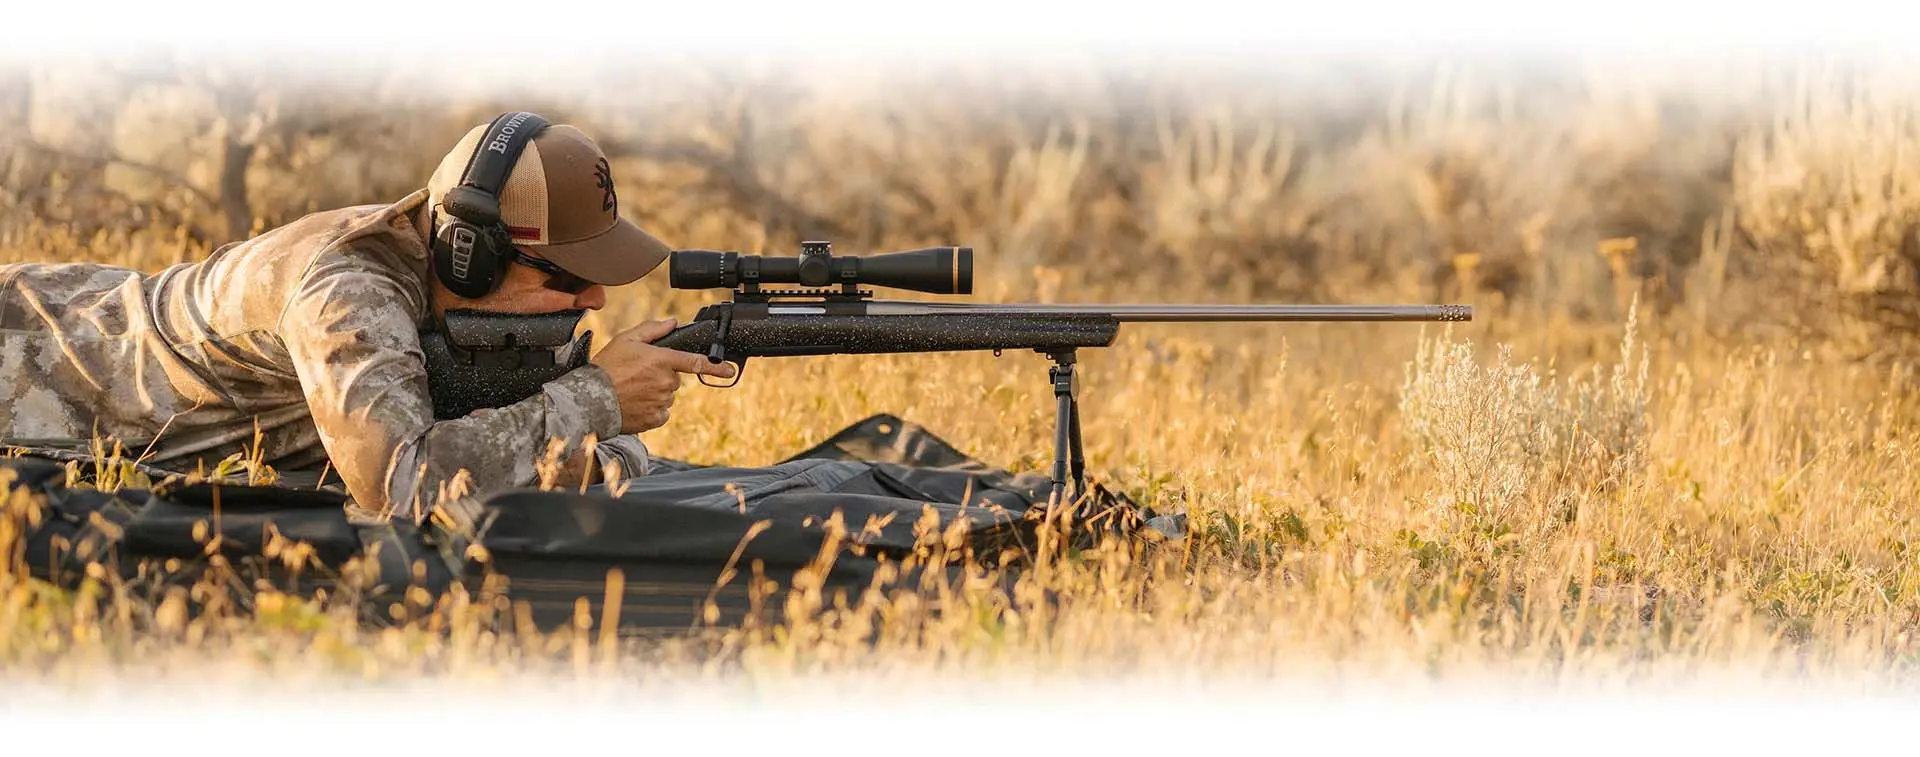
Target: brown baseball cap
[[559, 204]]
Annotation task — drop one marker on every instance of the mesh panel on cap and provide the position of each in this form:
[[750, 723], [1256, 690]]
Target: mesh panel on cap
[[447, 175], [523, 202]]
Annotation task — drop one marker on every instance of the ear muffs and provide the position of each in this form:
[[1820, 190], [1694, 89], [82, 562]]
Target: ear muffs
[[471, 246]]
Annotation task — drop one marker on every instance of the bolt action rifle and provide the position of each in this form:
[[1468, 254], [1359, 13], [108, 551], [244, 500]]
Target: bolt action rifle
[[832, 315]]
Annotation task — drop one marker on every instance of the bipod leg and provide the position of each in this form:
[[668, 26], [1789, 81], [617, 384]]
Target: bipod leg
[[1066, 431], [1079, 463]]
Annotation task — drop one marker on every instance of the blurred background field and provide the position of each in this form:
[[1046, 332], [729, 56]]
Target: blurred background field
[[1680, 430]]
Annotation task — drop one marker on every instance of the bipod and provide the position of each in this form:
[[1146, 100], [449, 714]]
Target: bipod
[[1086, 511], [1069, 457]]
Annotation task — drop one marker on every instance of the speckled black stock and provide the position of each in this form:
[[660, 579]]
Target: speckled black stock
[[464, 380], [800, 335]]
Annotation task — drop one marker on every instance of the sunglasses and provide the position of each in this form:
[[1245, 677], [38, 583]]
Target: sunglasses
[[558, 279]]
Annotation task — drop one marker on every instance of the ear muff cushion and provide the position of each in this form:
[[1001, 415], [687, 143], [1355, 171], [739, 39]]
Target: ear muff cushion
[[465, 259]]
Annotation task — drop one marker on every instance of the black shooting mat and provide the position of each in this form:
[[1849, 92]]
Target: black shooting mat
[[672, 534]]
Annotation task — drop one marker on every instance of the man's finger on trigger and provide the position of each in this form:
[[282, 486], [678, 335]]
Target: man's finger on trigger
[[691, 363], [698, 364]]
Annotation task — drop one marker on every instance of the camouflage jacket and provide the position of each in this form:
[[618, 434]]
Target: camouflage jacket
[[305, 337]]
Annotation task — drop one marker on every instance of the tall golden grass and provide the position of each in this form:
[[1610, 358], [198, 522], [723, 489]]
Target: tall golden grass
[[1679, 434]]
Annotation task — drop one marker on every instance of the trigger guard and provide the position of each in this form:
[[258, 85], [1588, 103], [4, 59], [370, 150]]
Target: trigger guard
[[739, 371]]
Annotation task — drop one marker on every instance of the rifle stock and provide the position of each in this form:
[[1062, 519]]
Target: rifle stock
[[748, 336]]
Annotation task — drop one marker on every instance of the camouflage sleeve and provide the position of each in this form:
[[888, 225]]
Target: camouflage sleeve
[[628, 453], [355, 345]]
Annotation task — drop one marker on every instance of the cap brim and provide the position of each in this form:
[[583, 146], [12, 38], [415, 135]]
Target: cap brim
[[619, 255]]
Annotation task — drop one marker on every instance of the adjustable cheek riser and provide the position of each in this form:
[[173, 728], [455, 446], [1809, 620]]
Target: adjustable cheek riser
[[477, 360]]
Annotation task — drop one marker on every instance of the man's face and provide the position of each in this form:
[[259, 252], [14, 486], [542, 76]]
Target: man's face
[[523, 290]]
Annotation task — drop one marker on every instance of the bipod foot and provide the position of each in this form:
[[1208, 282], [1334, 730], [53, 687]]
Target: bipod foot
[[1098, 514], [1086, 514]]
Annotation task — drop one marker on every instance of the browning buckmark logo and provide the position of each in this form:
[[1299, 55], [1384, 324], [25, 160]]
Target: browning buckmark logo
[[603, 178]]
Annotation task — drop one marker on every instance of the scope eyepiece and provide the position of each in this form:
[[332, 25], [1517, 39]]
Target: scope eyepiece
[[935, 270]]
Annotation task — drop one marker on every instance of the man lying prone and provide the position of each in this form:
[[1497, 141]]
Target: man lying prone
[[307, 337]]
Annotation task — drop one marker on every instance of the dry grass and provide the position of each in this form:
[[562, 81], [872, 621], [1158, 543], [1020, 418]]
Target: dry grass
[[1656, 450]]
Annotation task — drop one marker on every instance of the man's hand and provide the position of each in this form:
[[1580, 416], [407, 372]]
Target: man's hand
[[645, 377]]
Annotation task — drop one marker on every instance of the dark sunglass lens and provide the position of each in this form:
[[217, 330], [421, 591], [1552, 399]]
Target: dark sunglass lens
[[558, 279], [568, 283]]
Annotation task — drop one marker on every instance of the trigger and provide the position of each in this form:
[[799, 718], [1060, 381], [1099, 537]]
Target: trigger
[[739, 370]]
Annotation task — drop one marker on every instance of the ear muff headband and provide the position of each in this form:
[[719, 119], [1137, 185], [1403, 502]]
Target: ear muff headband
[[490, 165], [472, 247]]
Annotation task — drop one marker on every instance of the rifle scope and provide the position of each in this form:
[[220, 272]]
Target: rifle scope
[[935, 270]]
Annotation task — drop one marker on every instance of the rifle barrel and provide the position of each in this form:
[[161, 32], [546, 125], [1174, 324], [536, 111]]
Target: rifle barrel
[[1191, 313]]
